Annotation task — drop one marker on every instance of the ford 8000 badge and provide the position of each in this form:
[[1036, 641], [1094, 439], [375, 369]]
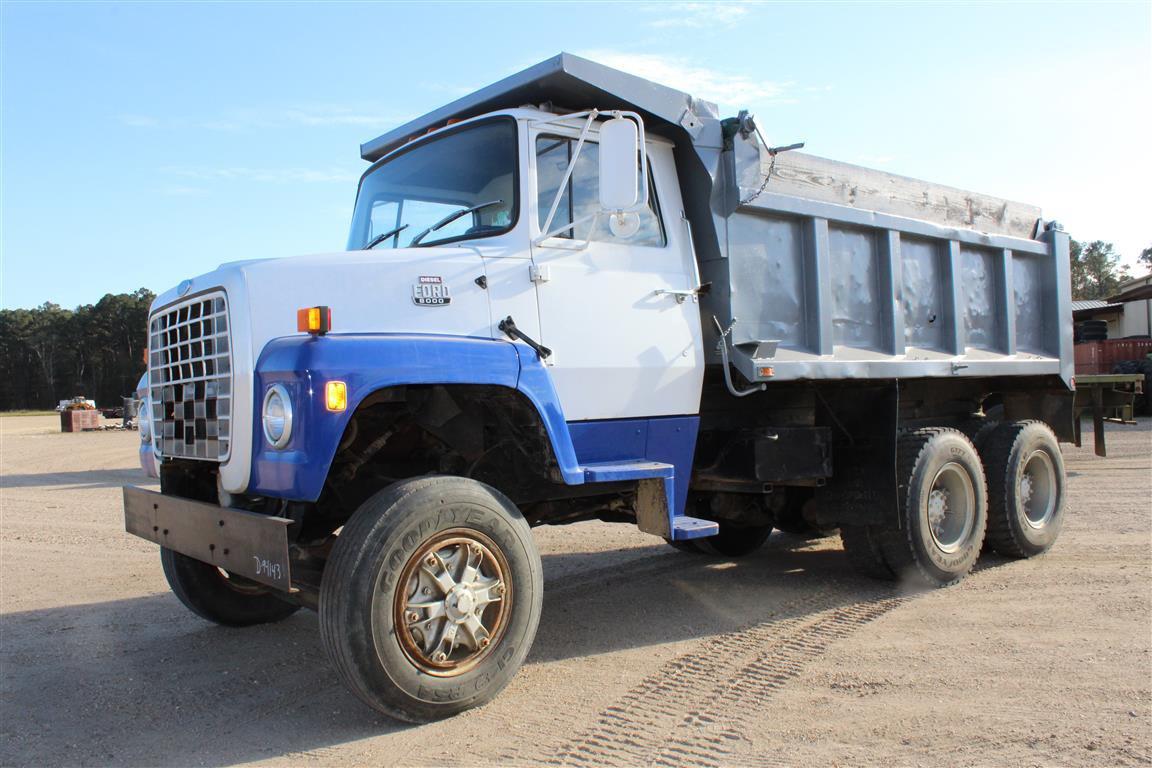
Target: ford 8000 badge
[[430, 291]]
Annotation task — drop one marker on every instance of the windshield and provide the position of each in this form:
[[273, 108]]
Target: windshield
[[408, 194]]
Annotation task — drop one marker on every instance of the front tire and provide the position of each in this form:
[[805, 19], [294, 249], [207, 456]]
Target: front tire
[[220, 597], [1025, 488], [431, 598]]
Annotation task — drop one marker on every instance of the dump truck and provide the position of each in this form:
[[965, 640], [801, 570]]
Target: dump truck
[[579, 295]]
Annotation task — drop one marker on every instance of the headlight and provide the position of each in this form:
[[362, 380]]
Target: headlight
[[277, 416], [144, 421]]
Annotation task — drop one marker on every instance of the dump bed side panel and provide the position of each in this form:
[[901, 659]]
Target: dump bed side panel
[[813, 289]]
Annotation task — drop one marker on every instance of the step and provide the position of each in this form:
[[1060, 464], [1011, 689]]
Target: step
[[635, 469], [685, 527]]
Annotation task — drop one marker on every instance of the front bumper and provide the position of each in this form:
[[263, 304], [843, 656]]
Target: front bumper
[[242, 543]]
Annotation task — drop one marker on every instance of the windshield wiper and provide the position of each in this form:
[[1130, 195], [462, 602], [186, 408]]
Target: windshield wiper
[[451, 218], [381, 238]]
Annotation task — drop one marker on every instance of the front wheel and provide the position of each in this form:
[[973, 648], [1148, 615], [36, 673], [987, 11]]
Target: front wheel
[[220, 597], [431, 598]]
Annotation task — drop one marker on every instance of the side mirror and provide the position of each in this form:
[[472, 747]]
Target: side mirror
[[619, 165]]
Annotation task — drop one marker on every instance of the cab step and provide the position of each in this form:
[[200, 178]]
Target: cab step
[[634, 469], [685, 527], [682, 527]]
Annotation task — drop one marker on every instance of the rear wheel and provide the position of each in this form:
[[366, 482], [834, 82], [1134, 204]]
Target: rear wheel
[[1025, 488], [744, 520], [734, 540], [797, 515], [687, 545], [431, 598], [943, 513], [220, 597]]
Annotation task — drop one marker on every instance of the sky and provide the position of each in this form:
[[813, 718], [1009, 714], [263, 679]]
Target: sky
[[143, 143]]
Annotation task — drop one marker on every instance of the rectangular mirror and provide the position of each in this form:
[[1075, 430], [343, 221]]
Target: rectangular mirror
[[619, 167]]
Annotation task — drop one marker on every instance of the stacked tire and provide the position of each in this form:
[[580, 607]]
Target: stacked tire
[[1144, 401], [1090, 330]]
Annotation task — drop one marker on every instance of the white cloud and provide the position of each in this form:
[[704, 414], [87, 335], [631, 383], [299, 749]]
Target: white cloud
[[310, 116], [696, 15], [727, 89], [336, 115], [454, 90], [139, 121], [267, 175], [180, 190]]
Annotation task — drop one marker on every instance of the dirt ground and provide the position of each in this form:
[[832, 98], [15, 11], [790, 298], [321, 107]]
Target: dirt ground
[[645, 655]]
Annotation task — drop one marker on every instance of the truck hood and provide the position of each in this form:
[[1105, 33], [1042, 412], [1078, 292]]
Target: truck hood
[[367, 291]]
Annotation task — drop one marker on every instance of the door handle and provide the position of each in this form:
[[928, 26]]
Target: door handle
[[682, 296]]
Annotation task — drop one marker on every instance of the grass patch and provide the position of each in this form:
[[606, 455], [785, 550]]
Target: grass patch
[[4, 414]]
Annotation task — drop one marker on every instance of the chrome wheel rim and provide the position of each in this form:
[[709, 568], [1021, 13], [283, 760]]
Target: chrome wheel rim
[[950, 509], [453, 602], [1037, 488]]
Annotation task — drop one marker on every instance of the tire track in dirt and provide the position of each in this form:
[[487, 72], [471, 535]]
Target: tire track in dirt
[[687, 712]]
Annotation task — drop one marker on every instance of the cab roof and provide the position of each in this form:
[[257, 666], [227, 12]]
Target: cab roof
[[572, 82]]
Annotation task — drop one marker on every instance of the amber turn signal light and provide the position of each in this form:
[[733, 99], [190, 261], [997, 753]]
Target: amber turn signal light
[[314, 320], [336, 396]]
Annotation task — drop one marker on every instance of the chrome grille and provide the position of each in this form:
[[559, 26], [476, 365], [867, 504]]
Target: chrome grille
[[190, 376]]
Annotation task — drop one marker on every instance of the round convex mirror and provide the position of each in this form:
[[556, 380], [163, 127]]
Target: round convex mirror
[[624, 224]]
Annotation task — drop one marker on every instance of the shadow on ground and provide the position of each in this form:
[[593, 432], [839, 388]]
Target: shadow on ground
[[80, 479], [142, 681]]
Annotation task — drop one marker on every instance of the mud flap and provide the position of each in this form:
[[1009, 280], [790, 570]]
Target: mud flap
[[863, 488]]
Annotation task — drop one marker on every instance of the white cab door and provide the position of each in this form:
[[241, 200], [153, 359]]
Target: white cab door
[[620, 348]]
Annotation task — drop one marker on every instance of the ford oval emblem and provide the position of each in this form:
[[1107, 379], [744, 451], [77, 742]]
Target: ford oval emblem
[[184, 287]]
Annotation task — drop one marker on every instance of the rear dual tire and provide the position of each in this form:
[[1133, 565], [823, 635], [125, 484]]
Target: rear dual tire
[[1025, 488], [1005, 493], [943, 507]]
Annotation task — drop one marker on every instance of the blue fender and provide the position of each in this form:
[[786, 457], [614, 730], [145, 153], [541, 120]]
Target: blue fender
[[368, 363]]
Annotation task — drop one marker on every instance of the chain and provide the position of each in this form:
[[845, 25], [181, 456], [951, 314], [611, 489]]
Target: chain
[[723, 333], [767, 176]]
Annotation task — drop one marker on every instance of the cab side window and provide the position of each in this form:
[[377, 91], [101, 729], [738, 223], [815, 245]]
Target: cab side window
[[581, 196]]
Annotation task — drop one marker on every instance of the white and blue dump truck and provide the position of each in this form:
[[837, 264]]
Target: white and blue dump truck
[[576, 294]]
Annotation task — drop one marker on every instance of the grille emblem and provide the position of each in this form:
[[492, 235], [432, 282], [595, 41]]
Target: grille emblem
[[184, 287]]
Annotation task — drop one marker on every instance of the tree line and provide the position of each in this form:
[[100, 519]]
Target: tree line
[[49, 353], [1097, 272]]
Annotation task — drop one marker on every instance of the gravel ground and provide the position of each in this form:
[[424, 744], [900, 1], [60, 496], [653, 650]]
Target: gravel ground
[[644, 656]]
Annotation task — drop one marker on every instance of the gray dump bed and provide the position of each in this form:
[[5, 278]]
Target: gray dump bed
[[828, 271], [836, 271]]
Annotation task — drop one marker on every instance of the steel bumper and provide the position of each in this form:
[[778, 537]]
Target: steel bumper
[[242, 543]]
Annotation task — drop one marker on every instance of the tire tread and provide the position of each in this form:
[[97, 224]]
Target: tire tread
[[897, 546]]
